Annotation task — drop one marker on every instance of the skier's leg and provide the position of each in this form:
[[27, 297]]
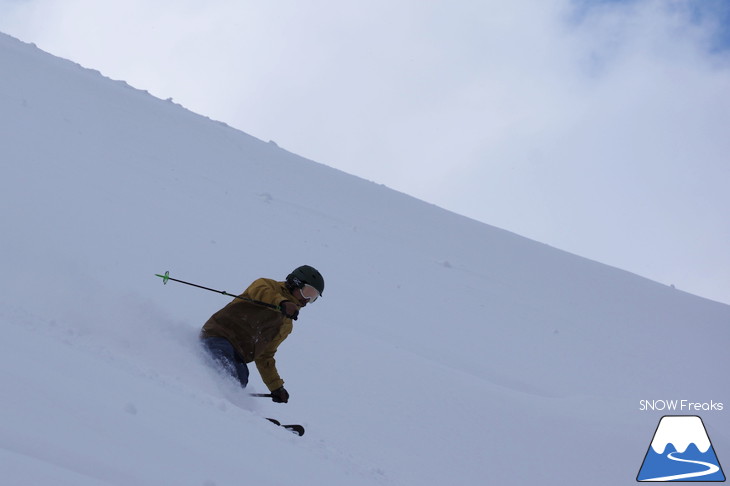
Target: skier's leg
[[223, 353]]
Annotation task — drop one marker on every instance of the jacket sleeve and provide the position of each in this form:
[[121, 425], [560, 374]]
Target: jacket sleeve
[[266, 290], [271, 292], [266, 363]]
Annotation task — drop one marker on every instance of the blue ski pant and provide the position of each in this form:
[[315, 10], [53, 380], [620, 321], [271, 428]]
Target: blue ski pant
[[223, 353]]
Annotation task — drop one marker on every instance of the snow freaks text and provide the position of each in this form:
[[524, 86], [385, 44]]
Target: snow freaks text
[[680, 406]]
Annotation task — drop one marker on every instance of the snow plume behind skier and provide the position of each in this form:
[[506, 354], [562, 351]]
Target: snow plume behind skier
[[251, 328]]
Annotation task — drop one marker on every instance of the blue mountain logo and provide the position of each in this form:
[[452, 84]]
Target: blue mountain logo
[[681, 451]]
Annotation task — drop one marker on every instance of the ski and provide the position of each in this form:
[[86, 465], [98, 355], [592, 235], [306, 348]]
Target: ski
[[293, 428]]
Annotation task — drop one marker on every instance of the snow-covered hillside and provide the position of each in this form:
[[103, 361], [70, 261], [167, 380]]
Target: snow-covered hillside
[[444, 351]]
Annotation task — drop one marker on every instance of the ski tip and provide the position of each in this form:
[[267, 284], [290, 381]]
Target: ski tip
[[164, 278], [293, 428]]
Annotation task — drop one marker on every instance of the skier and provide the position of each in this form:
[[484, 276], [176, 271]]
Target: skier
[[252, 328]]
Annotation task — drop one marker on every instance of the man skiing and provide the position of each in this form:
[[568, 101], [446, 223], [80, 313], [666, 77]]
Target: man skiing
[[252, 326]]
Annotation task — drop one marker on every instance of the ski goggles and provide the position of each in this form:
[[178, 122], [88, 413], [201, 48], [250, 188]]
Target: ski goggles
[[309, 293]]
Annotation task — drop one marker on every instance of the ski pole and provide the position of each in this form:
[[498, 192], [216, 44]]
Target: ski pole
[[167, 277], [261, 395]]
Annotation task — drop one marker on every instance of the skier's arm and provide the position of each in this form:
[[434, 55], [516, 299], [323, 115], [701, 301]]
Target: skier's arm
[[266, 363], [266, 290]]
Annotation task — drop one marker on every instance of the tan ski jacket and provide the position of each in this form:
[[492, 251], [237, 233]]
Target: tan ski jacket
[[255, 331]]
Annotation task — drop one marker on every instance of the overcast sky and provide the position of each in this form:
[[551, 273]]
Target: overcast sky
[[598, 127]]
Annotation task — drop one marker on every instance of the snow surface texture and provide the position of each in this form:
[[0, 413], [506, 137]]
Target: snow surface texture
[[444, 351]]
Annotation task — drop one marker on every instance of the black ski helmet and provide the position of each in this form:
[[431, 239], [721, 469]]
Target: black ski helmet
[[306, 275]]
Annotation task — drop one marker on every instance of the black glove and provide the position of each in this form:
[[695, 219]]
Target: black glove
[[289, 309], [280, 395]]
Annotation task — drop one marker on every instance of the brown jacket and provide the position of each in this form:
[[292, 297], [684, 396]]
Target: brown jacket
[[255, 331]]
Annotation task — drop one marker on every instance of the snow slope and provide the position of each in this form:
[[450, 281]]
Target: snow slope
[[444, 351]]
